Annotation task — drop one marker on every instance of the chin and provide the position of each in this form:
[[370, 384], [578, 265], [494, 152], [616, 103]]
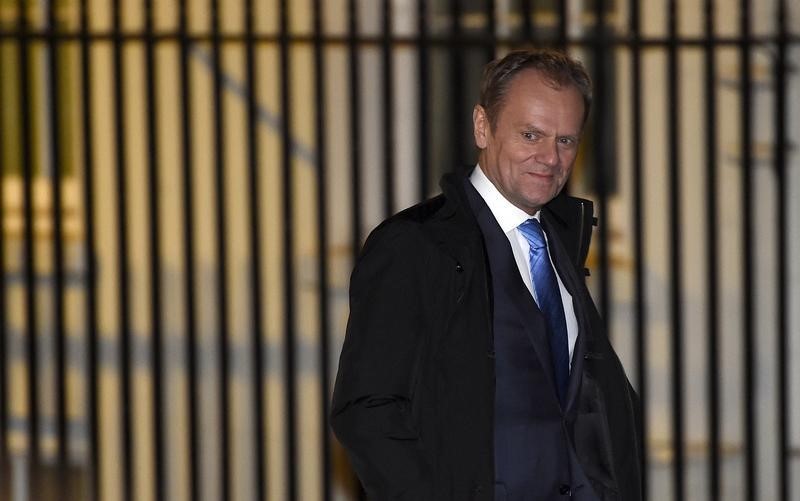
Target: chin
[[539, 199]]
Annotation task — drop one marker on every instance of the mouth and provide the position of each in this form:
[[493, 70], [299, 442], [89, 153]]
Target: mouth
[[540, 175]]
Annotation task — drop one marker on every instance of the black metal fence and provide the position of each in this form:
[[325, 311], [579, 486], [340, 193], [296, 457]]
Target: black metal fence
[[186, 184]]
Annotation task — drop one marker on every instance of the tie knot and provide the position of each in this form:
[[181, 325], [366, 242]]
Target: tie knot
[[533, 233]]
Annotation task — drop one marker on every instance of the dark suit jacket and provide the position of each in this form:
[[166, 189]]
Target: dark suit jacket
[[534, 458], [413, 403]]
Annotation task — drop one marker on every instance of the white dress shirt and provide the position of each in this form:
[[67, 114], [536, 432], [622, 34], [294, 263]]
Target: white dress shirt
[[509, 217]]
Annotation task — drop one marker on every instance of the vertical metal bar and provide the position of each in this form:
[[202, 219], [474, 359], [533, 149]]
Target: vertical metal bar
[[3, 307], [491, 23], [639, 236], [601, 155], [355, 144], [355, 124], [563, 18], [322, 257], [221, 251], [782, 221], [123, 259], [93, 339], [712, 250], [288, 255], [259, 433], [160, 403], [749, 282], [3, 271], [388, 111], [423, 137], [58, 252], [189, 260], [31, 312], [675, 251], [457, 91], [526, 10]]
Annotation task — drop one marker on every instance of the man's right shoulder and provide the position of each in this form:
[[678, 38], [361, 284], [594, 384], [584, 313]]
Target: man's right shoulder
[[423, 211], [414, 216], [406, 225]]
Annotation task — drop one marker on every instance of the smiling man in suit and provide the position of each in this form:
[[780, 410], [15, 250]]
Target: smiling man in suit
[[475, 365]]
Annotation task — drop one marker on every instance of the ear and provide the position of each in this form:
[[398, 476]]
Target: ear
[[480, 126]]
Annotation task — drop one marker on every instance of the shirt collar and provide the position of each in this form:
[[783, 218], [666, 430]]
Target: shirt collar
[[508, 215]]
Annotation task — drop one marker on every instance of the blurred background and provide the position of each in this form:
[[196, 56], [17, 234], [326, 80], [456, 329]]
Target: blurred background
[[184, 185]]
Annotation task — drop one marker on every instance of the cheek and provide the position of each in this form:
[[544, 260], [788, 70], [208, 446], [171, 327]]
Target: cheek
[[567, 163], [522, 152], [562, 178], [568, 159]]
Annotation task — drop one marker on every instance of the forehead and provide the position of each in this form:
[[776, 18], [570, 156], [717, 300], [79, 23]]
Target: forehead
[[531, 93]]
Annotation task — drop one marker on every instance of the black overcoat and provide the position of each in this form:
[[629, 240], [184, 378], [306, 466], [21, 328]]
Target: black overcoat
[[414, 395]]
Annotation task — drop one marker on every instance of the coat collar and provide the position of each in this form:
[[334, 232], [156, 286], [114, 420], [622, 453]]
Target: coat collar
[[570, 217], [453, 226]]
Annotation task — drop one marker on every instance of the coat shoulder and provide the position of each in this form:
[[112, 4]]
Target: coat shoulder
[[406, 224]]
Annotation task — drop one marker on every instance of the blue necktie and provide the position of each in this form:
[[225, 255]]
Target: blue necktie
[[548, 298]]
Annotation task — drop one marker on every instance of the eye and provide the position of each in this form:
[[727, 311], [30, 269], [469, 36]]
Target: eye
[[530, 136], [567, 141]]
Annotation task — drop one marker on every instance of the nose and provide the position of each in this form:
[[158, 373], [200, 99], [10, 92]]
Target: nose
[[547, 152]]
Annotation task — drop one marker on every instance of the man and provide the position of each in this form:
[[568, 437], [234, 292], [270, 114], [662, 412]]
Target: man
[[475, 366]]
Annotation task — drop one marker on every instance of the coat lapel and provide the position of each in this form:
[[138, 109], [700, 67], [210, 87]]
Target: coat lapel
[[560, 219], [504, 268], [569, 277], [455, 232]]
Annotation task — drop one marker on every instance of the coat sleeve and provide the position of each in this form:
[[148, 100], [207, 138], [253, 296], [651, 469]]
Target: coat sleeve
[[371, 413]]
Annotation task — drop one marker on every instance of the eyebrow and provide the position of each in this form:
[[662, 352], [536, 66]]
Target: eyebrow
[[532, 128]]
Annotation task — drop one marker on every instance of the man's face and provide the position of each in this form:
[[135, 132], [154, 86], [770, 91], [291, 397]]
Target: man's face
[[530, 152]]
